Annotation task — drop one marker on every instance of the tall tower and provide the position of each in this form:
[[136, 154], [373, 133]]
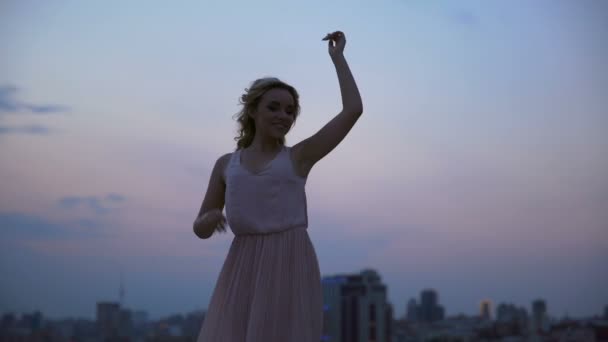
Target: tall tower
[[356, 308], [539, 315], [485, 309], [429, 309]]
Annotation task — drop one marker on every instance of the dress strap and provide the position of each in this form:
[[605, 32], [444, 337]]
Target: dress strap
[[231, 163]]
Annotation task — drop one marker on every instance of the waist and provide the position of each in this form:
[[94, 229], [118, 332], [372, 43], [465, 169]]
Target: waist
[[280, 231]]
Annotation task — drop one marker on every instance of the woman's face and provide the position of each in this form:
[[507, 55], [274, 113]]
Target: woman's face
[[275, 113]]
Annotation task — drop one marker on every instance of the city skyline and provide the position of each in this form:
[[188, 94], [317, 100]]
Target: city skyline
[[477, 168], [398, 312]]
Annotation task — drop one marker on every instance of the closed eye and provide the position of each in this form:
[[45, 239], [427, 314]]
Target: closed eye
[[274, 105]]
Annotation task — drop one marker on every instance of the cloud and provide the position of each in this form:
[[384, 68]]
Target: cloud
[[9, 103], [95, 203], [44, 109], [26, 129]]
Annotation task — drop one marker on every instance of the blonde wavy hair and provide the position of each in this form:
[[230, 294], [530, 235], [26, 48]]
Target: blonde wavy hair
[[250, 100]]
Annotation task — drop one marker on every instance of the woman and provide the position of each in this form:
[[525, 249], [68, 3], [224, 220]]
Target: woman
[[269, 288]]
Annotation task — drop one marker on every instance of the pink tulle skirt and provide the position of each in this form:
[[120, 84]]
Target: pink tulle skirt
[[269, 289]]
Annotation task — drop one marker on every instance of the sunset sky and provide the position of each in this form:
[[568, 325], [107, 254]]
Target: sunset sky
[[479, 167]]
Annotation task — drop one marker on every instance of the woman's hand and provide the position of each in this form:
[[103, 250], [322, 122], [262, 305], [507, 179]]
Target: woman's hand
[[336, 43], [212, 218]]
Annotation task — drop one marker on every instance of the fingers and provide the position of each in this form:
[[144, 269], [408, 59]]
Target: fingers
[[221, 226], [334, 35]]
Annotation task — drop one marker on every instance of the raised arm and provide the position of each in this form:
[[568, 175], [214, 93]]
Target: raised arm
[[311, 150]]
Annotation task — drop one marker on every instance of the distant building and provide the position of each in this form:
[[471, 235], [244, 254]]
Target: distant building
[[356, 308], [540, 321], [571, 330], [29, 324], [510, 313], [107, 319], [33, 321], [430, 310], [485, 309], [125, 323], [140, 318], [606, 312], [412, 310], [516, 318], [388, 322], [112, 321]]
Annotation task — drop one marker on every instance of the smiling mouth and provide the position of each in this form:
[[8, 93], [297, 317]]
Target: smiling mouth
[[284, 127]]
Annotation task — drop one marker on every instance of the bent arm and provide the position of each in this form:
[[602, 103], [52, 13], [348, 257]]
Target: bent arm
[[313, 149], [214, 199]]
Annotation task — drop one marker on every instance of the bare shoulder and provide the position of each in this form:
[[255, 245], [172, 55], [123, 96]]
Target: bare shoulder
[[225, 158], [222, 163]]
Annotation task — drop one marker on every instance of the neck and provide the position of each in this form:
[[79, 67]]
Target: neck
[[264, 144]]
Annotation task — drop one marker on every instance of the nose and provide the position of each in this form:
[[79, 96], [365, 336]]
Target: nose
[[285, 115]]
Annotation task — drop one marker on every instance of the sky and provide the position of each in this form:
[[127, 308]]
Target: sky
[[478, 167]]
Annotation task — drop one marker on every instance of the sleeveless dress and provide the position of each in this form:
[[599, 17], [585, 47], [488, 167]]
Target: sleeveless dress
[[269, 288]]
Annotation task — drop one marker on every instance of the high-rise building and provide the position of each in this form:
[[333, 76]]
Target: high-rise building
[[485, 309], [125, 323], [539, 315], [513, 315], [388, 322], [355, 308], [430, 310], [108, 317], [112, 321], [523, 319], [32, 322], [506, 313], [412, 310]]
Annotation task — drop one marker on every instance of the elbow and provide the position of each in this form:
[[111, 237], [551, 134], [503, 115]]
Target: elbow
[[358, 108], [195, 231], [200, 234], [355, 110]]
